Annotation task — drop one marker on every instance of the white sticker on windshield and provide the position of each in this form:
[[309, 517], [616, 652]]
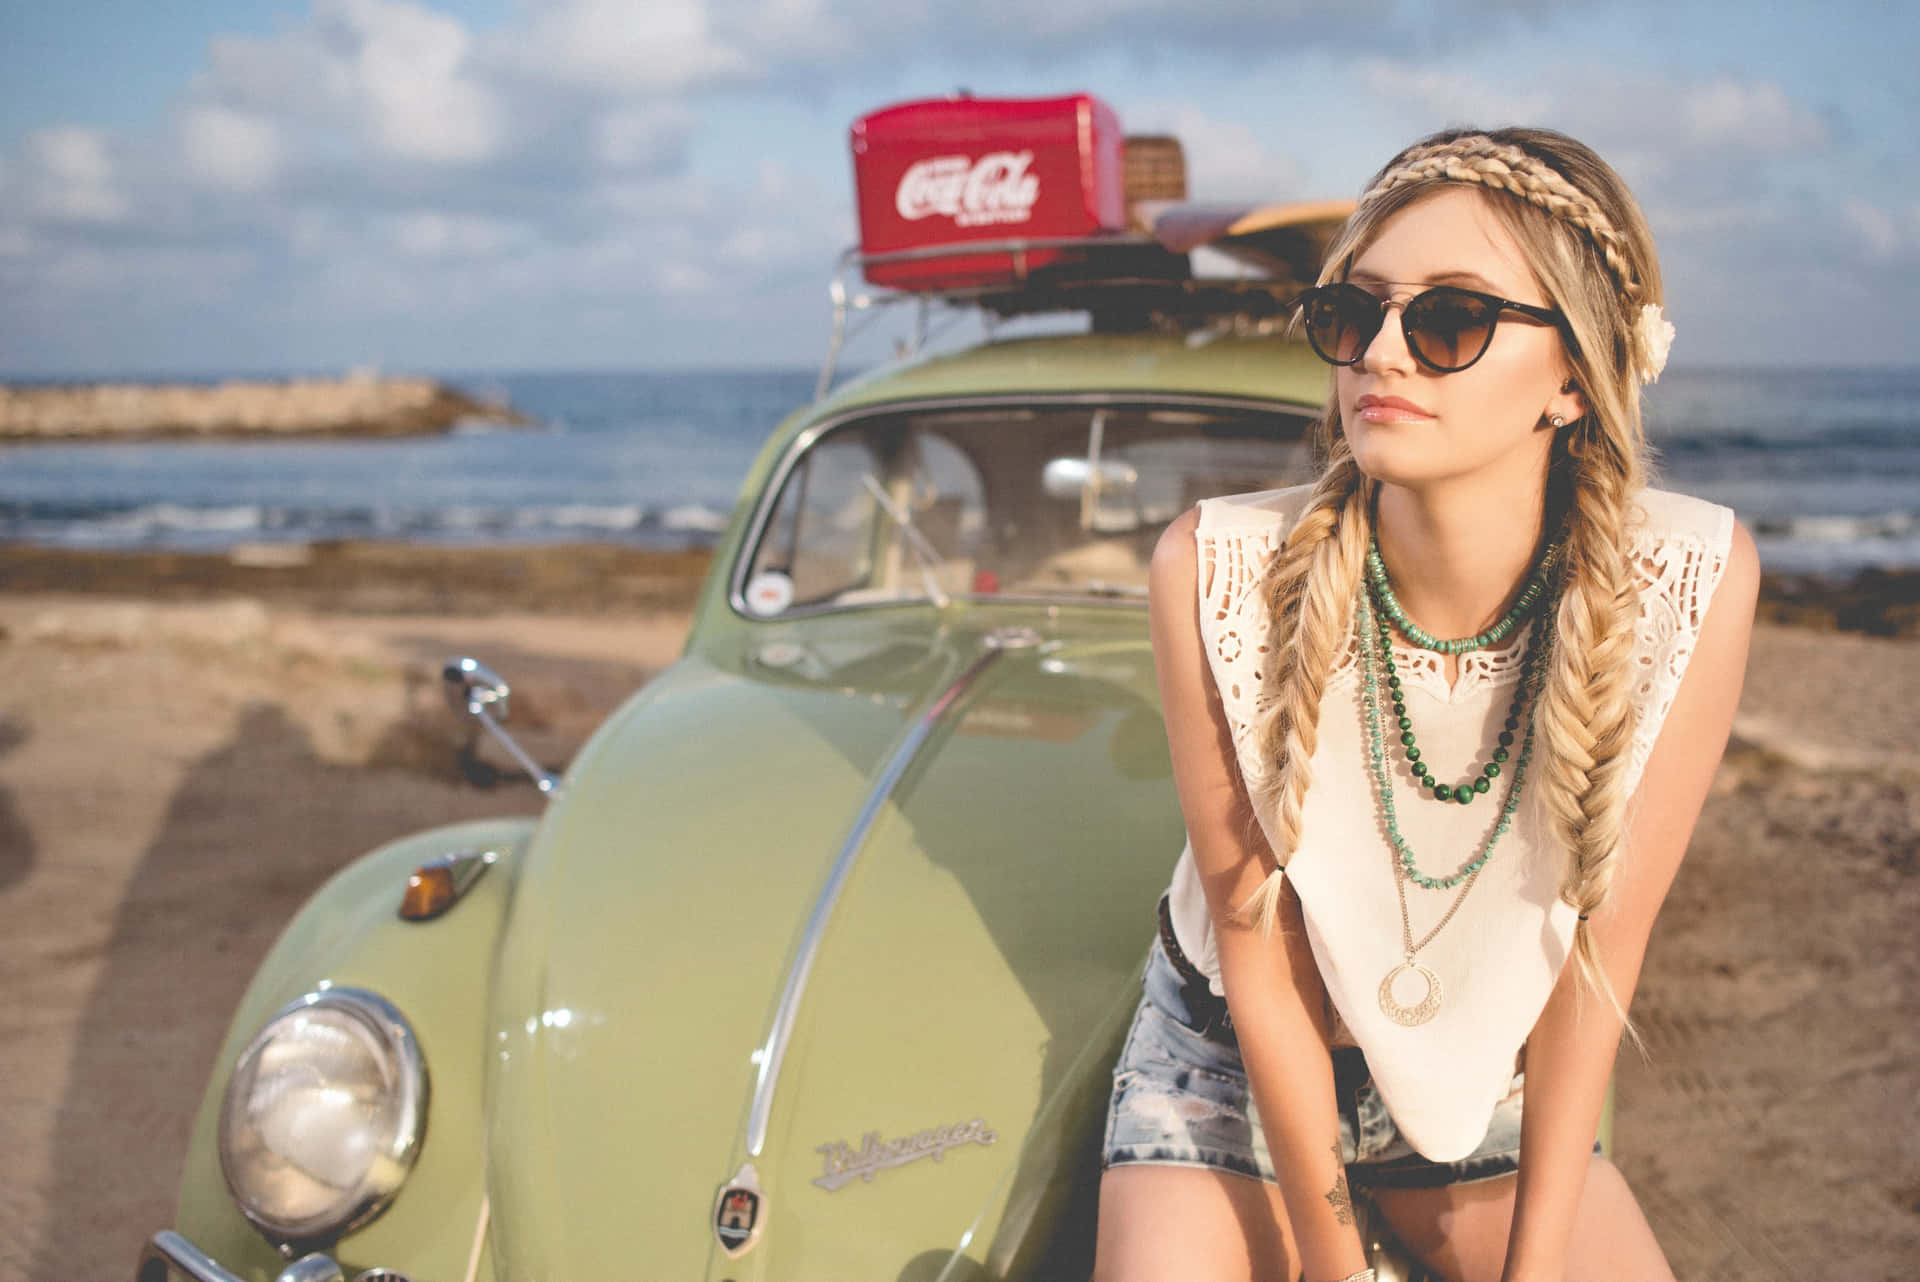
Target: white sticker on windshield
[[769, 592]]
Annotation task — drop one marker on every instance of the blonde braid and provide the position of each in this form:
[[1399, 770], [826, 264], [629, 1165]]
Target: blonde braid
[[1587, 242], [1585, 716], [1309, 589], [1477, 158]]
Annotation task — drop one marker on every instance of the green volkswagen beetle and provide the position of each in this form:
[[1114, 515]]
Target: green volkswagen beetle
[[817, 963]]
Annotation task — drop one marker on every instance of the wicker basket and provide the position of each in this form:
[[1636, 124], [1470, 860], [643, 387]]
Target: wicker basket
[[1155, 169]]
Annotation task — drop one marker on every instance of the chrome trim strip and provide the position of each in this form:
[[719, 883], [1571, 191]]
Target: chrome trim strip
[[803, 441], [773, 1051], [479, 1237], [168, 1250]]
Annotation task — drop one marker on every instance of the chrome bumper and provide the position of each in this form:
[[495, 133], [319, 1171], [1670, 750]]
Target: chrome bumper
[[169, 1256]]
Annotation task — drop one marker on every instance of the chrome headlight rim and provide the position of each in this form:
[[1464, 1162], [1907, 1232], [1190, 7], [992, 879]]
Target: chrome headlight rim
[[395, 1162]]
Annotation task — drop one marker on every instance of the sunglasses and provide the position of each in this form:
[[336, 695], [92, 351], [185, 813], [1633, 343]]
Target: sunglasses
[[1447, 328]]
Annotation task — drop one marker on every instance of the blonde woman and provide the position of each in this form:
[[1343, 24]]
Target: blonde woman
[[1441, 724]]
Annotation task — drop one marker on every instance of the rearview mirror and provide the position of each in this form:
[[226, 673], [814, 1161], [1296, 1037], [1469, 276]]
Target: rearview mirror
[[1072, 478]]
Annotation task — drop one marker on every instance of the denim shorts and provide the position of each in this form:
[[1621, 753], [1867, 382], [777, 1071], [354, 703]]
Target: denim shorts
[[1180, 1098]]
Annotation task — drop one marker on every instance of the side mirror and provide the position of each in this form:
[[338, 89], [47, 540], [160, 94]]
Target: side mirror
[[475, 690], [471, 685]]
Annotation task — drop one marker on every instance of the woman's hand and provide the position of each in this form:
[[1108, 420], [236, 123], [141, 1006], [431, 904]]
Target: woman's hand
[[1571, 1051], [1273, 986]]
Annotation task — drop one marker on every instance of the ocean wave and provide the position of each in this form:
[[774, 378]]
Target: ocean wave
[[582, 516], [474, 426], [216, 527], [693, 519], [1818, 528], [1887, 440]]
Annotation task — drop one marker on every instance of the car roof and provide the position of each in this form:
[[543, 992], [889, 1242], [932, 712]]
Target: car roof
[[1256, 367]]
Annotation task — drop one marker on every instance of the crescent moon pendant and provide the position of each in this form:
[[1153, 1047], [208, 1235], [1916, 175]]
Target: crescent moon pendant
[[1422, 1011]]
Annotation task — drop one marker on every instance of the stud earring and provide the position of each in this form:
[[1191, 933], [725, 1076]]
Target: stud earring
[[1558, 420], [1567, 386]]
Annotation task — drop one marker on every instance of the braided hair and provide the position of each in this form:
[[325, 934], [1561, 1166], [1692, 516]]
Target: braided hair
[[1586, 241]]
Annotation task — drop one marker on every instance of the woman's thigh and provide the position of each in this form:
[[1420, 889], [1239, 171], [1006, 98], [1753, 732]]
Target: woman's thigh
[[1162, 1223], [1460, 1230]]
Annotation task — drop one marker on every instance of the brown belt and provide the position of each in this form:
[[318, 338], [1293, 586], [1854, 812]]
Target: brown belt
[[1207, 1010]]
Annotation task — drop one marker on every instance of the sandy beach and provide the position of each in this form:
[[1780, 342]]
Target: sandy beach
[[190, 745]]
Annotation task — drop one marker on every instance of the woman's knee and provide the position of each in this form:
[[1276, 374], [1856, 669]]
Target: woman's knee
[[1458, 1230], [1159, 1223]]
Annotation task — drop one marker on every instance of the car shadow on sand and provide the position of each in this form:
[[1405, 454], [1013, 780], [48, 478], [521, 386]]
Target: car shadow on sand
[[254, 828], [17, 850]]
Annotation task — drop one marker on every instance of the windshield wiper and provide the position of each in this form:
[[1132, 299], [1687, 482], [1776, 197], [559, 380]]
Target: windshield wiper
[[929, 559]]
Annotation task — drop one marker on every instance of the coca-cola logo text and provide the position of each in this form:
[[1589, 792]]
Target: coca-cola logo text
[[996, 188]]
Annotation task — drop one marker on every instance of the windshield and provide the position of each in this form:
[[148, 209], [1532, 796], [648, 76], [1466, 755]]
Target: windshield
[[1006, 501]]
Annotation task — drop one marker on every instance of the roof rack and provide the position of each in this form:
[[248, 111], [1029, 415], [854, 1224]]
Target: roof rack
[[1124, 281]]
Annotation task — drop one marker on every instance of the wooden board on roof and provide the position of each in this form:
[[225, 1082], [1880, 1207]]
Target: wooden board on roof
[[1286, 240]]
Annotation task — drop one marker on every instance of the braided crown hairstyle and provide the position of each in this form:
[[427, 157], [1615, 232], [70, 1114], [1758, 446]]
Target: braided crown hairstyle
[[1584, 238]]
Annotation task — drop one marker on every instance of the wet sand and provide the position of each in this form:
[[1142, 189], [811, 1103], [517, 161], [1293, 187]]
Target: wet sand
[[188, 746]]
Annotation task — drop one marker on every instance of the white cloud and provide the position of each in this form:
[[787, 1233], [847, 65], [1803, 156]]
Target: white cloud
[[1748, 115], [401, 77], [1448, 97], [786, 220], [639, 137], [197, 276], [1884, 233], [1877, 228], [74, 178], [675, 276], [230, 150], [427, 233], [409, 68], [619, 48], [313, 233]]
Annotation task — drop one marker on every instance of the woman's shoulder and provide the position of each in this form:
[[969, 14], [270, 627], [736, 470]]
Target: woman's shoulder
[[1266, 512], [1664, 518]]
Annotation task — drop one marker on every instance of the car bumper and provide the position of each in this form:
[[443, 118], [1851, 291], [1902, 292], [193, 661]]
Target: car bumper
[[170, 1257]]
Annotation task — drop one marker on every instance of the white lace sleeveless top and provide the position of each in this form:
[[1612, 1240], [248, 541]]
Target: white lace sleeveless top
[[1500, 955]]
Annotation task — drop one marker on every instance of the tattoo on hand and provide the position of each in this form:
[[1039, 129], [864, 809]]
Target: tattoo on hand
[[1337, 1195]]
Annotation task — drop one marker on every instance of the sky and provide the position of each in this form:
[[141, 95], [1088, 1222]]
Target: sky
[[233, 186]]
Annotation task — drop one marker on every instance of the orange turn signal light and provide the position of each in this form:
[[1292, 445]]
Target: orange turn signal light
[[430, 892], [438, 884]]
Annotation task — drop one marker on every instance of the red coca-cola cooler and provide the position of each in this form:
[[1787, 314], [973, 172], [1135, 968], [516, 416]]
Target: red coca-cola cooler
[[958, 171]]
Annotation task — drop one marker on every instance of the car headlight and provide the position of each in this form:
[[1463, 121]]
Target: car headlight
[[324, 1115]]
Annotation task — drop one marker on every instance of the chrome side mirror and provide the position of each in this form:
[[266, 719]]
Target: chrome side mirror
[[475, 690], [471, 685]]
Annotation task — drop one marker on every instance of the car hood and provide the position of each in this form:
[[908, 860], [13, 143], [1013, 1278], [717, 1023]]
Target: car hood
[[952, 1032]]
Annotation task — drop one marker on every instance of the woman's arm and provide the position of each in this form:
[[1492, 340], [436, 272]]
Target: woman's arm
[[1571, 1051], [1273, 987]]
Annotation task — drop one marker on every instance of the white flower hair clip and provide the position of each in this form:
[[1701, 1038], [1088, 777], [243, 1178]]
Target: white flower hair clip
[[1652, 340]]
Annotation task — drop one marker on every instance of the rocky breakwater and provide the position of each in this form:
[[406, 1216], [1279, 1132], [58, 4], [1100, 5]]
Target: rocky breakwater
[[356, 405]]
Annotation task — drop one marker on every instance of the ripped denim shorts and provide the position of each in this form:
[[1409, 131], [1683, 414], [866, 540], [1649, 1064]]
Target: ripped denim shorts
[[1180, 1098]]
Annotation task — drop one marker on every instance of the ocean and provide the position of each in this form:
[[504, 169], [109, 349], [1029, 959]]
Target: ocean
[[1822, 465]]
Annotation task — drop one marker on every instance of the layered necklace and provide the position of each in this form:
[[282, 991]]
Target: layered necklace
[[1377, 613], [1382, 599]]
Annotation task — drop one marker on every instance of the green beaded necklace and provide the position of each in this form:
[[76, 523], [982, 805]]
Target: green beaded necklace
[[1376, 656], [1391, 615], [1523, 605], [1462, 793]]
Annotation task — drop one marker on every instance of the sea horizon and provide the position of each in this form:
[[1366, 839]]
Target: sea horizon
[[1821, 462]]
